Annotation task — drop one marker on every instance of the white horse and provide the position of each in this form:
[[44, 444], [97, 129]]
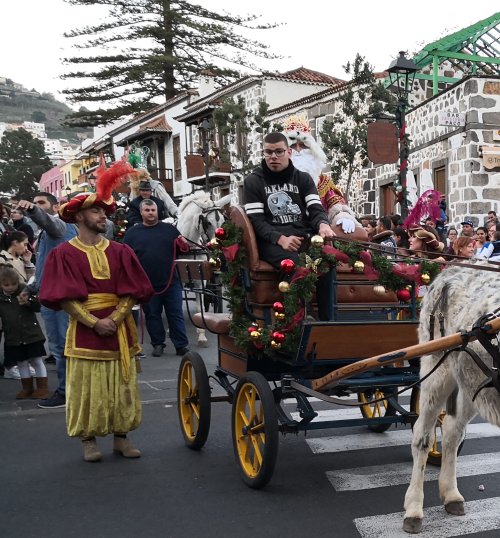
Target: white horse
[[199, 217], [462, 295]]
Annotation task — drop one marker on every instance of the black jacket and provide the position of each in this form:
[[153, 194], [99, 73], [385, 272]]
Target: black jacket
[[19, 322]]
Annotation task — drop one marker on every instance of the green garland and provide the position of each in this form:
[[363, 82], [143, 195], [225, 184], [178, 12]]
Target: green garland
[[228, 253]]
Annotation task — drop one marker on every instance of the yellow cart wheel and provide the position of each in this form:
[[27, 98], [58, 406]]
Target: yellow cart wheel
[[193, 398], [255, 429], [377, 409], [435, 454]]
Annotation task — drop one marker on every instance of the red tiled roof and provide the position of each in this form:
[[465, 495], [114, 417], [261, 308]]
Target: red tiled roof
[[158, 124], [307, 75]]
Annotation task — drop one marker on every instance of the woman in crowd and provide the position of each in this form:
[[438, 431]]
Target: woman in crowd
[[370, 229], [15, 253], [451, 237], [480, 238], [402, 241], [20, 223], [464, 247], [424, 243]]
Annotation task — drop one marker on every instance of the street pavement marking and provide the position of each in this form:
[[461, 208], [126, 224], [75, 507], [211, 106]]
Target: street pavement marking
[[368, 440], [336, 414], [381, 476], [480, 516]]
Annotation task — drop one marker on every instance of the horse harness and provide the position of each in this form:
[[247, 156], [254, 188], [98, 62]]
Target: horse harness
[[479, 331], [204, 222]]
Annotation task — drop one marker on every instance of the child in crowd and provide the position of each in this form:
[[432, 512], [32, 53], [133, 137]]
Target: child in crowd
[[491, 249], [23, 336]]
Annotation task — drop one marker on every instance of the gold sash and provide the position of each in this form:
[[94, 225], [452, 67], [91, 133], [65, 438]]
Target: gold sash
[[98, 301]]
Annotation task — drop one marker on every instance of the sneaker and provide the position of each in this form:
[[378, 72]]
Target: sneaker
[[56, 400], [12, 373], [140, 356], [50, 360], [158, 350], [182, 351]]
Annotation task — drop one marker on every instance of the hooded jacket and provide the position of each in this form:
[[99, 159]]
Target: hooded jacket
[[282, 203]]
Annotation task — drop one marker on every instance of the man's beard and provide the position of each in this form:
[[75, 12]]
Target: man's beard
[[97, 227]]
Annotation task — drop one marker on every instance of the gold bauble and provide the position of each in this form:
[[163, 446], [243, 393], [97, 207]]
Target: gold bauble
[[317, 241], [358, 266], [279, 315], [284, 286], [425, 278], [255, 335], [214, 262], [275, 345], [409, 287], [379, 289], [214, 242]]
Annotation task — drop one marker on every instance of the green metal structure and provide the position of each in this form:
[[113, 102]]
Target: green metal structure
[[474, 50]]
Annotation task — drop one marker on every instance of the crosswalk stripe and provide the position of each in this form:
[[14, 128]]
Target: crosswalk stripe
[[336, 414], [381, 476], [366, 440], [480, 516]]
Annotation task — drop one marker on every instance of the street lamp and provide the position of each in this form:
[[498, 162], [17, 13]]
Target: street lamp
[[204, 128], [402, 74], [68, 192]]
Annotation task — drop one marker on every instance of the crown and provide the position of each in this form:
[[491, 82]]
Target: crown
[[296, 123]]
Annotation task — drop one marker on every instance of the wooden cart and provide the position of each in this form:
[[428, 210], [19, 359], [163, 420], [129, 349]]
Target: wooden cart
[[364, 325]]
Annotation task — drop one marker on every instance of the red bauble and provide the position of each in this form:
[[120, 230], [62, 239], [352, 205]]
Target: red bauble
[[220, 233], [252, 328], [278, 337], [287, 266], [403, 295], [278, 307]]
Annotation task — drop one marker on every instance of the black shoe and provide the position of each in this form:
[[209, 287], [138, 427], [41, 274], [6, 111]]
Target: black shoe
[[182, 351], [56, 400], [158, 351], [50, 360]]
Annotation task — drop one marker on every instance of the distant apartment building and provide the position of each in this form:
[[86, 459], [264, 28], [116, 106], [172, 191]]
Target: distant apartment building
[[59, 149], [53, 181]]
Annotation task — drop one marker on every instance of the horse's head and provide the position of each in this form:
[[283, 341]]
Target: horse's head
[[200, 216]]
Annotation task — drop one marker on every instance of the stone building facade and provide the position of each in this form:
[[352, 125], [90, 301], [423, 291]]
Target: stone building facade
[[452, 158]]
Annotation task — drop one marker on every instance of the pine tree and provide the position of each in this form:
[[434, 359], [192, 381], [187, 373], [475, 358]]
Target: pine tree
[[22, 163], [345, 136], [154, 48]]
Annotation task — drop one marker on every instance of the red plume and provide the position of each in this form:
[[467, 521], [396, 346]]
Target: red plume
[[108, 179]]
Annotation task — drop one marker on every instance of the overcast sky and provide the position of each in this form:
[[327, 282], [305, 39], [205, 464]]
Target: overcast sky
[[317, 34]]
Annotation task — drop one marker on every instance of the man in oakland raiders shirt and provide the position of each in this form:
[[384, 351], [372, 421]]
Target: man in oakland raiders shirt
[[283, 204]]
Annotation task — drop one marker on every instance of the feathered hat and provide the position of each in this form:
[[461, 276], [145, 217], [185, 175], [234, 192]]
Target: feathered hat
[[427, 206], [107, 180], [428, 236]]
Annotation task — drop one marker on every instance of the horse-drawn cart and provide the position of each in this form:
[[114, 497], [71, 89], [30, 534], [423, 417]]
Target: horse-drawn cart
[[351, 355]]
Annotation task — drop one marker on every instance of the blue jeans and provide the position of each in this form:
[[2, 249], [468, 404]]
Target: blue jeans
[[171, 301], [56, 325]]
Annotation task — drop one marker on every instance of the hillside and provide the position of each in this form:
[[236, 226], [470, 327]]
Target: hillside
[[18, 104]]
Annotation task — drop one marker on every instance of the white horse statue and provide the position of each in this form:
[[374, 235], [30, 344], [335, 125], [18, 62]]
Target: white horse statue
[[199, 217], [463, 296]]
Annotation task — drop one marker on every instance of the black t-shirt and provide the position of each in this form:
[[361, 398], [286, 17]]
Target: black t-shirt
[[154, 246]]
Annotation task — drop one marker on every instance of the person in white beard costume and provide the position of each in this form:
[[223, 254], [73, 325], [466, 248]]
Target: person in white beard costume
[[307, 156]]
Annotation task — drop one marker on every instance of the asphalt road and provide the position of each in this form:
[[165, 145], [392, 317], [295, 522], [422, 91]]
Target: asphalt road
[[333, 483]]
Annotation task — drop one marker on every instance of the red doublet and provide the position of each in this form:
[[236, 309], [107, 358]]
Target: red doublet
[[74, 271]]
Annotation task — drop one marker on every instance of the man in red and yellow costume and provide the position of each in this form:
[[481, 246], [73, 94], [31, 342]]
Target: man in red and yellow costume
[[97, 282]]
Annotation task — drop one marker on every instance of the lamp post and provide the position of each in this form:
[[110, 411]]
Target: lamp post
[[68, 192], [204, 128], [402, 74]]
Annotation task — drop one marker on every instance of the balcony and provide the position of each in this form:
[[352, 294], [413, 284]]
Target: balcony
[[219, 172]]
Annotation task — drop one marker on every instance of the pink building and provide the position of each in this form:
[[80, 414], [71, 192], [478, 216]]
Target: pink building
[[53, 181]]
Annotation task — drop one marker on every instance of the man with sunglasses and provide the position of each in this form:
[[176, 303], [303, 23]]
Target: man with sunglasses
[[284, 206]]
